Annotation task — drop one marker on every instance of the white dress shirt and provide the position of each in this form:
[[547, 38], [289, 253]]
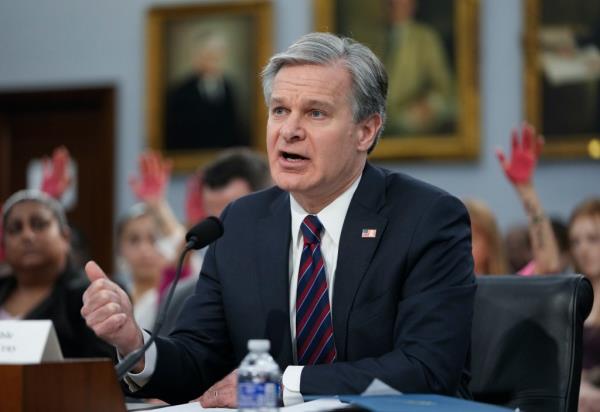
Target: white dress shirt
[[144, 310], [332, 218]]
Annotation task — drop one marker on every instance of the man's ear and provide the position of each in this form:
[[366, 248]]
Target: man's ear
[[367, 131]]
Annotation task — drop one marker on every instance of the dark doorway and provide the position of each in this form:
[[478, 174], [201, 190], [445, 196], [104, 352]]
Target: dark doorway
[[33, 123]]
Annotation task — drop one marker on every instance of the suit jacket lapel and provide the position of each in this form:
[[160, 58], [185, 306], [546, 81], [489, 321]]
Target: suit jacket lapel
[[272, 249], [355, 252]]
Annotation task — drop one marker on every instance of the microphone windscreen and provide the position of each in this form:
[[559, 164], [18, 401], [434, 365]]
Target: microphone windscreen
[[204, 233]]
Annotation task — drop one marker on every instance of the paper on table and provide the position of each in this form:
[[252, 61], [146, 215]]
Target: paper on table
[[316, 405], [186, 407], [378, 388], [312, 406]]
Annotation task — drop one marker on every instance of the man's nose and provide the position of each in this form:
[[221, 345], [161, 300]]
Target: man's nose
[[293, 129]]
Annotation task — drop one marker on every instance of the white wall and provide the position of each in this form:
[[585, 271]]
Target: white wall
[[64, 43]]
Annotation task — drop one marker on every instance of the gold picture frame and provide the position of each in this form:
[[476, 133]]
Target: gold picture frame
[[455, 132], [562, 100], [203, 84]]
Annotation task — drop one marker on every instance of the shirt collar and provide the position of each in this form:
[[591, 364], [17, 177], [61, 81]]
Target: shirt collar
[[332, 216]]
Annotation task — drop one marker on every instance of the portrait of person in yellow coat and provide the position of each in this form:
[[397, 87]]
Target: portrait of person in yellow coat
[[421, 96]]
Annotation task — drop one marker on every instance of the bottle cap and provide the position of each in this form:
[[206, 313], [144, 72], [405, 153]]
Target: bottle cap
[[259, 345]]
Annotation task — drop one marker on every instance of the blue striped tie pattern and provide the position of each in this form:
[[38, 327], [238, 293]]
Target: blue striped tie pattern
[[314, 328]]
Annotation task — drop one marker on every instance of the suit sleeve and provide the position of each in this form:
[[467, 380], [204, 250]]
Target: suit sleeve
[[432, 328], [198, 352]]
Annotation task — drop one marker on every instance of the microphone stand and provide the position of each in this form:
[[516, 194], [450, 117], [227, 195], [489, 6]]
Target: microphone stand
[[129, 361]]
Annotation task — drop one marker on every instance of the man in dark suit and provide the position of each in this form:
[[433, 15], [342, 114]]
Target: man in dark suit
[[352, 272]]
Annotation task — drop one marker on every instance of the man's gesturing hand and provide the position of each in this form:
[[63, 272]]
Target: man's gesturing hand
[[108, 312]]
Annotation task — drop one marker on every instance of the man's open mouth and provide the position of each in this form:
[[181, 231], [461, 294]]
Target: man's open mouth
[[292, 156]]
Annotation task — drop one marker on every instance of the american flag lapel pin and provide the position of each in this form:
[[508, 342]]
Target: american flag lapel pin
[[369, 233]]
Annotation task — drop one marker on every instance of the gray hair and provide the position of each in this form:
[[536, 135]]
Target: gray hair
[[369, 78], [34, 195]]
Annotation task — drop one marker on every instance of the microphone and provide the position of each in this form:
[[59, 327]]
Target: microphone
[[199, 236], [204, 233]]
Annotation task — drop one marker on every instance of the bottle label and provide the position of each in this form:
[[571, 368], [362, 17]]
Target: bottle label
[[257, 395]]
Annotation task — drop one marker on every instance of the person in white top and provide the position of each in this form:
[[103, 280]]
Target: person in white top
[[392, 263], [140, 261]]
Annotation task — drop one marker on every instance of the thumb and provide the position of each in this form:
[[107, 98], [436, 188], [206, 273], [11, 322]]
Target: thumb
[[94, 272]]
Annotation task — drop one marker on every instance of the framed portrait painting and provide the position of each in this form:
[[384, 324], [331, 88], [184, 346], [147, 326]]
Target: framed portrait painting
[[203, 85], [562, 75], [430, 50]]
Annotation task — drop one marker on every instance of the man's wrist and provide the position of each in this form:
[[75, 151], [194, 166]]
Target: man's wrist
[[136, 344]]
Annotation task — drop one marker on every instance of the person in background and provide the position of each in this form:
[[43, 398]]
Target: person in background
[[561, 234], [526, 147], [42, 284], [140, 261], [488, 248], [584, 236], [488, 251], [55, 181], [518, 247], [56, 178], [233, 174]]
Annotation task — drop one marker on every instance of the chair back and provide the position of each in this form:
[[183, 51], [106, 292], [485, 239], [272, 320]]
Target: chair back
[[527, 341]]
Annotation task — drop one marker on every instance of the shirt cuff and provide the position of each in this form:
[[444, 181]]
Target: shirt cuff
[[291, 385], [136, 381]]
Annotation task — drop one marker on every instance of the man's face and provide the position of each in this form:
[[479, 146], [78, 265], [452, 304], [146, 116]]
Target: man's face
[[215, 200], [315, 148]]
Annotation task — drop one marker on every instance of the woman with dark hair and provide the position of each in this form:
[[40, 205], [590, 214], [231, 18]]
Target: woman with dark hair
[[42, 284]]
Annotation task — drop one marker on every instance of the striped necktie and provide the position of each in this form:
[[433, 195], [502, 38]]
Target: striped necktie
[[314, 328]]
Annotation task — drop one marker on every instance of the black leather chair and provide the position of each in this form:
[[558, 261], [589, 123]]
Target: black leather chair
[[526, 341]]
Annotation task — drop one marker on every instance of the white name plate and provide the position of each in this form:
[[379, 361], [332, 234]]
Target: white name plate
[[28, 342]]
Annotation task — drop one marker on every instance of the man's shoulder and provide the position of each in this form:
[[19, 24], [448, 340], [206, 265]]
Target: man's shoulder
[[399, 184], [402, 196], [258, 203]]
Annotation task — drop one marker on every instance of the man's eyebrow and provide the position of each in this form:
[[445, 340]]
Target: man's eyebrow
[[276, 100], [319, 103], [309, 103]]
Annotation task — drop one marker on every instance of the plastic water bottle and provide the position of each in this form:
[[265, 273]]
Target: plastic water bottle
[[258, 379]]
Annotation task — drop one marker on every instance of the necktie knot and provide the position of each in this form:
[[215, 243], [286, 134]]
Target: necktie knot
[[311, 229]]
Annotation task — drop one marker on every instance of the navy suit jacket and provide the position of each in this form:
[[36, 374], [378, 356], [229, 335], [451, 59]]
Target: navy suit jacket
[[402, 301]]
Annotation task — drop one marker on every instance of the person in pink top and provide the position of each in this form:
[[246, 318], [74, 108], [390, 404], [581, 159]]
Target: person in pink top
[[519, 170]]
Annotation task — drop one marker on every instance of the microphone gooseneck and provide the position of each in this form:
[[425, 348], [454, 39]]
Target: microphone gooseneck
[[199, 236]]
